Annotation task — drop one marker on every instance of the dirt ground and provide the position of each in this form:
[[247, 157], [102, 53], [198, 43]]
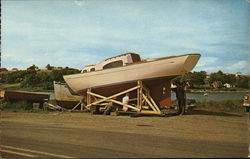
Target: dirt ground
[[199, 133]]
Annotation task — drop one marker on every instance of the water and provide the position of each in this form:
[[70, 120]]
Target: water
[[213, 96]]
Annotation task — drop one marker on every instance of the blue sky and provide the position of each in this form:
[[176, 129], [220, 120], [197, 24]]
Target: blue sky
[[81, 32]]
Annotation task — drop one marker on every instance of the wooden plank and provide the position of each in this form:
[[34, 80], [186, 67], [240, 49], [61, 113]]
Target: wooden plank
[[143, 102], [133, 99], [150, 112], [76, 106], [149, 103], [145, 107], [154, 104], [113, 96], [141, 112], [115, 101]]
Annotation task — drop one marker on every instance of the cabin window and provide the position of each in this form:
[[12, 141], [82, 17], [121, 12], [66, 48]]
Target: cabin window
[[92, 69], [84, 71], [113, 64], [136, 58]]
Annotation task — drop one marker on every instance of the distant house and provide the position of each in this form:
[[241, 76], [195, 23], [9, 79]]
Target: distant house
[[57, 68], [238, 74], [3, 70], [216, 84], [14, 69], [227, 85]]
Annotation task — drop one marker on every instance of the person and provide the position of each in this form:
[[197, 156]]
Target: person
[[181, 96], [125, 100]]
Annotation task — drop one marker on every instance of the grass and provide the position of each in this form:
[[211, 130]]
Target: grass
[[16, 86], [19, 106], [13, 86], [223, 105]]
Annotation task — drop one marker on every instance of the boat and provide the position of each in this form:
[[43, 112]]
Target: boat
[[15, 95], [63, 96], [123, 71]]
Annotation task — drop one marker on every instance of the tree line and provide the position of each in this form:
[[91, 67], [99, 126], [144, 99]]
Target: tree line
[[202, 79], [34, 77]]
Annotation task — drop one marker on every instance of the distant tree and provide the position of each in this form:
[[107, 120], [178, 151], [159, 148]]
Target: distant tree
[[49, 67], [195, 78], [30, 80], [199, 78], [230, 78], [217, 76], [242, 82], [57, 75], [33, 67]]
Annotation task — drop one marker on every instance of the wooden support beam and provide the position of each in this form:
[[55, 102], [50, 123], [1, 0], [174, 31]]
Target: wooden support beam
[[53, 107], [108, 103], [88, 96], [113, 96], [143, 102], [139, 95], [145, 107], [150, 112], [133, 99], [115, 101], [154, 104], [141, 99], [147, 90], [82, 105], [76, 106], [149, 103]]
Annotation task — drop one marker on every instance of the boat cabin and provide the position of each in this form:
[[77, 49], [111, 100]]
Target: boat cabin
[[116, 61], [88, 68]]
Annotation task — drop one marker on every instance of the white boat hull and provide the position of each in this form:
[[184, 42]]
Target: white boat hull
[[162, 67]]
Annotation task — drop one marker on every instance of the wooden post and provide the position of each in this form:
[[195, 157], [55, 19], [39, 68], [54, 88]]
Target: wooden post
[[139, 95], [81, 106], [88, 96]]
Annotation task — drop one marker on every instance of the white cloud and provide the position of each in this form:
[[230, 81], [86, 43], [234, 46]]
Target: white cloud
[[240, 66], [207, 61]]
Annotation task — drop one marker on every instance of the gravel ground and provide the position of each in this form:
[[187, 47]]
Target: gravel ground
[[202, 126]]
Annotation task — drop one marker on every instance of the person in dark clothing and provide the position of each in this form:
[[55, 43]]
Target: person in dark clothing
[[180, 96]]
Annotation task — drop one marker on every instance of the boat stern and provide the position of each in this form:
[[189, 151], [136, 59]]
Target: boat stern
[[191, 61]]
